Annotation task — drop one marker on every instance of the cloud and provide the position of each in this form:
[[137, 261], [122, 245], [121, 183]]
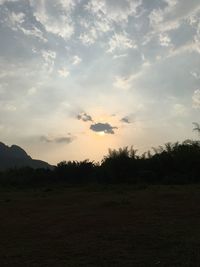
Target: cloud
[[63, 72], [163, 20], [114, 11], [158, 17], [88, 38], [16, 18], [58, 140], [84, 117], [35, 32], [189, 47], [9, 106], [32, 91], [196, 99], [164, 39], [155, 17], [66, 140], [5, 1], [55, 16], [171, 3], [123, 82], [127, 82], [120, 41], [113, 26], [197, 39], [76, 60], [193, 18], [179, 110], [93, 29], [195, 74], [120, 56], [49, 57], [174, 16], [20, 22], [126, 120], [103, 127], [108, 16]]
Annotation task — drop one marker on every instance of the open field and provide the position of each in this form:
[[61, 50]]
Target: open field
[[100, 226]]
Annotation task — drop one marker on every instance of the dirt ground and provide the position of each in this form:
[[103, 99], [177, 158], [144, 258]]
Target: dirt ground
[[100, 226]]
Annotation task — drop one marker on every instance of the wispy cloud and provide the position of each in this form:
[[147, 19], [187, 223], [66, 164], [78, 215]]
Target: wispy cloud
[[196, 98], [49, 57], [84, 117], [59, 140], [58, 22], [165, 39], [122, 82], [117, 13], [120, 42], [89, 37], [110, 55], [195, 74], [63, 72], [125, 120], [179, 110]]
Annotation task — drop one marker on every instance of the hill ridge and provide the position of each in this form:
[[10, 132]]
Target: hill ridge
[[16, 157]]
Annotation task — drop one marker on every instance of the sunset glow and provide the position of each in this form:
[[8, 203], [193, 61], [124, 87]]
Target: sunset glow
[[80, 76]]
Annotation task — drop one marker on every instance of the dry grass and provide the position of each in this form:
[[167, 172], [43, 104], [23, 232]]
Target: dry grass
[[93, 226]]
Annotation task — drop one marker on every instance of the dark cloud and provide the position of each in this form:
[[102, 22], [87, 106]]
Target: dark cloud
[[59, 140], [65, 140], [84, 117], [125, 119], [103, 127]]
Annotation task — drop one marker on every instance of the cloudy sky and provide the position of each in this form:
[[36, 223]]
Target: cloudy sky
[[80, 76]]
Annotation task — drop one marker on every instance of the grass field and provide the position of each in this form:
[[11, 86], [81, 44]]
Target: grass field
[[100, 226]]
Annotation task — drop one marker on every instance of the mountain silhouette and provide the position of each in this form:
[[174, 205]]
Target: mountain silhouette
[[16, 157]]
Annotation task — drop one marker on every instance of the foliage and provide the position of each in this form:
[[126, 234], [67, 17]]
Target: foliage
[[174, 163]]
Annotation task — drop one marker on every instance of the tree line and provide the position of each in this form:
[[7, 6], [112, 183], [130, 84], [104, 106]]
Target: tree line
[[173, 163]]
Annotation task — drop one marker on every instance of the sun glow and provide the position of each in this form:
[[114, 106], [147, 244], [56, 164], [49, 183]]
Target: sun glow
[[101, 133]]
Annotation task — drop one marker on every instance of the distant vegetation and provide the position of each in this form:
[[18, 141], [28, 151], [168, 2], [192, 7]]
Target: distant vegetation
[[173, 163]]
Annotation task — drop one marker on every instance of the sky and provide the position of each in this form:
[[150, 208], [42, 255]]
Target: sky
[[80, 76]]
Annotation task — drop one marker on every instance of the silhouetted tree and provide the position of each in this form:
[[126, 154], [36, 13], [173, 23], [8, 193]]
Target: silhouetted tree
[[74, 171], [120, 165], [174, 163]]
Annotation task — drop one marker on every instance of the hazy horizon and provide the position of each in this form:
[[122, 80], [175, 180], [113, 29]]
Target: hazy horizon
[[78, 77]]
